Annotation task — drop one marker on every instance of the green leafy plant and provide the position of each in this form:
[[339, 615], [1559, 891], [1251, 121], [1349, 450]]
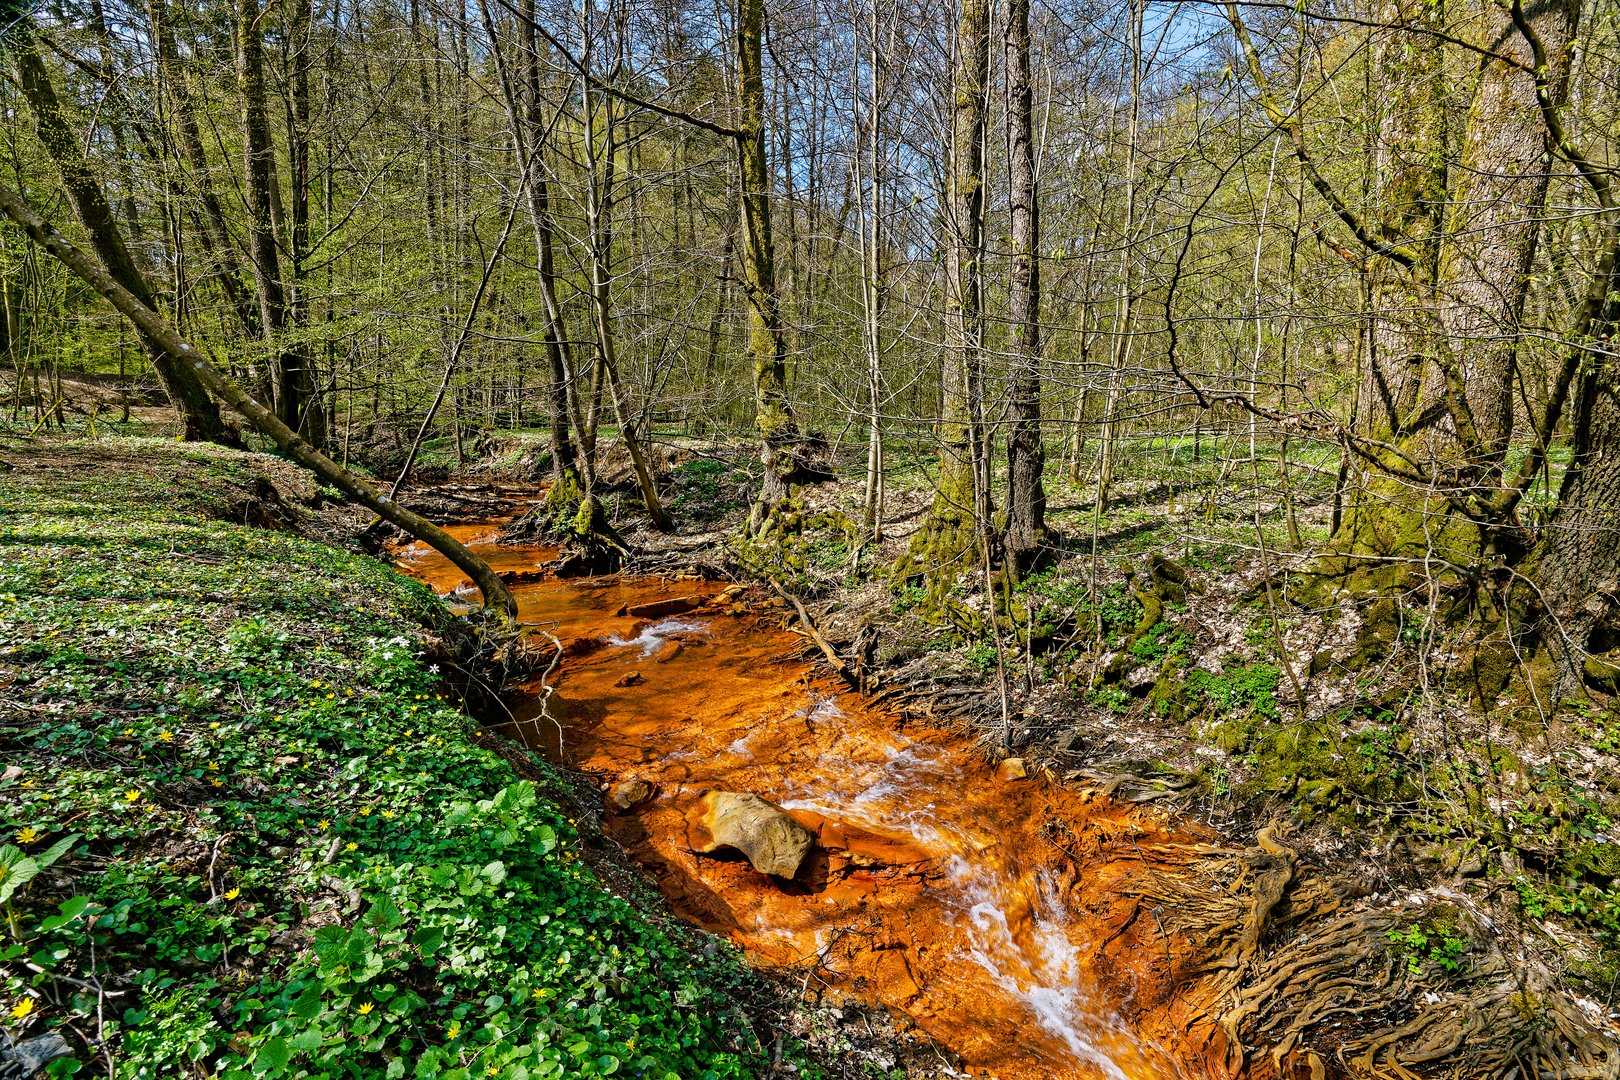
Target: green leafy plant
[[1422, 946]]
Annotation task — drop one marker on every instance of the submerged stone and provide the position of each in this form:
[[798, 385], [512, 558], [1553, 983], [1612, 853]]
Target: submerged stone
[[630, 793]]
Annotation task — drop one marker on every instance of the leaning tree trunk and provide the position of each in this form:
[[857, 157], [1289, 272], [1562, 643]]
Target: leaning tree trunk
[[197, 410], [1026, 458], [153, 325]]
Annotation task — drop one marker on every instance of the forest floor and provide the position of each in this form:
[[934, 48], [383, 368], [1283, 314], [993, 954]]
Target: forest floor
[[251, 830], [1487, 832]]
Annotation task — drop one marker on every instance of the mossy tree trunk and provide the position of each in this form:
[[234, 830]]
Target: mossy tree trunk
[[950, 541], [1437, 411], [780, 439]]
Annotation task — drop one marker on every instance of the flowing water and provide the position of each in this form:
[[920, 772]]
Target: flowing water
[[995, 914]]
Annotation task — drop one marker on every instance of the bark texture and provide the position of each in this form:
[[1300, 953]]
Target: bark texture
[[1026, 459], [950, 541]]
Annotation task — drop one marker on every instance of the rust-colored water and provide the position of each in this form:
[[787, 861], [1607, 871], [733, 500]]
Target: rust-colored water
[[988, 911]]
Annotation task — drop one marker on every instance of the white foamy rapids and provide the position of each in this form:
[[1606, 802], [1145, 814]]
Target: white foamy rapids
[[655, 635], [1043, 970]]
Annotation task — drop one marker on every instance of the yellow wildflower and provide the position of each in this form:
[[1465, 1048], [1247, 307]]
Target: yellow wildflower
[[453, 1030], [388, 813], [365, 811], [216, 781], [166, 735], [129, 731], [366, 1008], [323, 825], [233, 894], [350, 846], [21, 1010], [213, 766], [28, 835], [132, 794]]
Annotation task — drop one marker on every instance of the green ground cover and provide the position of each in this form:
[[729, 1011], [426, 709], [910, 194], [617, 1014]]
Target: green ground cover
[[281, 851]]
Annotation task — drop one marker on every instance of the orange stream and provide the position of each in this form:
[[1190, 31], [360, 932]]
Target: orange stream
[[990, 912]]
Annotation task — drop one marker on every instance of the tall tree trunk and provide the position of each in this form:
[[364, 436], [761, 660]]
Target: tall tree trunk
[[950, 541], [782, 447], [312, 415], [213, 233], [525, 113], [185, 390], [263, 202], [599, 192], [872, 276], [1493, 226], [1026, 458]]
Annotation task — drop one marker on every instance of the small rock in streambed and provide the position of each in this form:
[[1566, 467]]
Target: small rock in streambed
[[660, 609], [630, 678], [630, 793], [666, 652], [1012, 768], [774, 843]]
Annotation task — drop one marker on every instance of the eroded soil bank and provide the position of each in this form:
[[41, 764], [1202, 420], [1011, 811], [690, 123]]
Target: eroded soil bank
[[993, 912]]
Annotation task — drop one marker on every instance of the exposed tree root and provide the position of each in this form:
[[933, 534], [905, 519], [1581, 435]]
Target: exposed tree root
[[1299, 964]]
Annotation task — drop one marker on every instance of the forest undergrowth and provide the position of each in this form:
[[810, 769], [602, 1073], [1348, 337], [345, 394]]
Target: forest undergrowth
[[1171, 650]]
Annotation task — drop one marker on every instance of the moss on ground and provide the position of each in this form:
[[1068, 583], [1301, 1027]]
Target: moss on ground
[[287, 853]]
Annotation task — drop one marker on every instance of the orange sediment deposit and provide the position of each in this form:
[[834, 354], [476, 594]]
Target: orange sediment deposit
[[999, 917]]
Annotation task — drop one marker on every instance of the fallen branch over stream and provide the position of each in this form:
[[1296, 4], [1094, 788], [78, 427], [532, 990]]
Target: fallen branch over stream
[[814, 634]]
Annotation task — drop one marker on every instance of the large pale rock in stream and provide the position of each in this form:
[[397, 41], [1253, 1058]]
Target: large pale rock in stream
[[773, 841]]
